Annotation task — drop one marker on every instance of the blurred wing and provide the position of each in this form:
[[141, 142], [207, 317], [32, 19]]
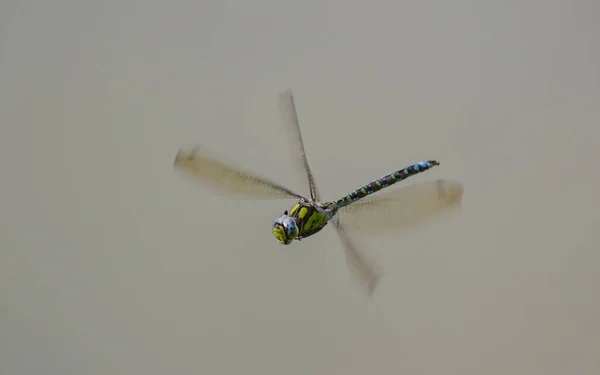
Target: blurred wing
[[290, 117], [365, 273], [403, 208], [226, 178]]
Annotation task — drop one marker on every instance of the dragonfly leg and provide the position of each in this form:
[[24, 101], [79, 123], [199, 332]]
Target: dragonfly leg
[[312, 232]]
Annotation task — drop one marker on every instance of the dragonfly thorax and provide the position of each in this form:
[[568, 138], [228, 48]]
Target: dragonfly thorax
[[285, 229]]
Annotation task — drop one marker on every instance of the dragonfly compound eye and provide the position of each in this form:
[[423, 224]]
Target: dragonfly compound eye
[[279, 230], [290, 227]]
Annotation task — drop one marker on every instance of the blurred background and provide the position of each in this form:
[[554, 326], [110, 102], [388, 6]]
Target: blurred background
[[112, 263]]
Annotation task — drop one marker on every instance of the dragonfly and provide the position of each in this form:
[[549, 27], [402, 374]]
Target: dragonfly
[[359, 210]]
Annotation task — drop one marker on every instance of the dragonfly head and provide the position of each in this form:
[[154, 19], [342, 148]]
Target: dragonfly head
[[285, 229]]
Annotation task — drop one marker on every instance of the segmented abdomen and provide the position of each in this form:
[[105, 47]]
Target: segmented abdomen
[[385, 181]]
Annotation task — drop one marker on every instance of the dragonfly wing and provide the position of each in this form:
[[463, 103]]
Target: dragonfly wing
[[290, 117], [402, 208], [227, 178], [365, 273]]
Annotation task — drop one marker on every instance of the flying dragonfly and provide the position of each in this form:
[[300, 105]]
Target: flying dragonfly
[[359, 210]]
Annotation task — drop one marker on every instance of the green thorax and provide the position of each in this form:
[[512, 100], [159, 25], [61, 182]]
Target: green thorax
[[309, 218]]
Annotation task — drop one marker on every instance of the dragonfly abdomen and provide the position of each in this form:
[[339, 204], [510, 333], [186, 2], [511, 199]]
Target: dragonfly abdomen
[[385, 181]]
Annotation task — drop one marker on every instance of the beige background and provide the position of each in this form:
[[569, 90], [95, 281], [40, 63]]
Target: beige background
[[112, 263]]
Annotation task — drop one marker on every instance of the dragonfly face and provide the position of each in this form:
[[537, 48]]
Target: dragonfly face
[[285, 229]]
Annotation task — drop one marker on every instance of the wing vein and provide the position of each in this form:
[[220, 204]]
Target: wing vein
[[227, 178], [290, 115]]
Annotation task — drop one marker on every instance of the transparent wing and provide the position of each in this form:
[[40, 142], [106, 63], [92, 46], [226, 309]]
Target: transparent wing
[[227, 178], [365, 273], [290, 117], [402, 208]]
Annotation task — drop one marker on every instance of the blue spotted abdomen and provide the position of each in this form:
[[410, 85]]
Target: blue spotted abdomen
[[385, 181]]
